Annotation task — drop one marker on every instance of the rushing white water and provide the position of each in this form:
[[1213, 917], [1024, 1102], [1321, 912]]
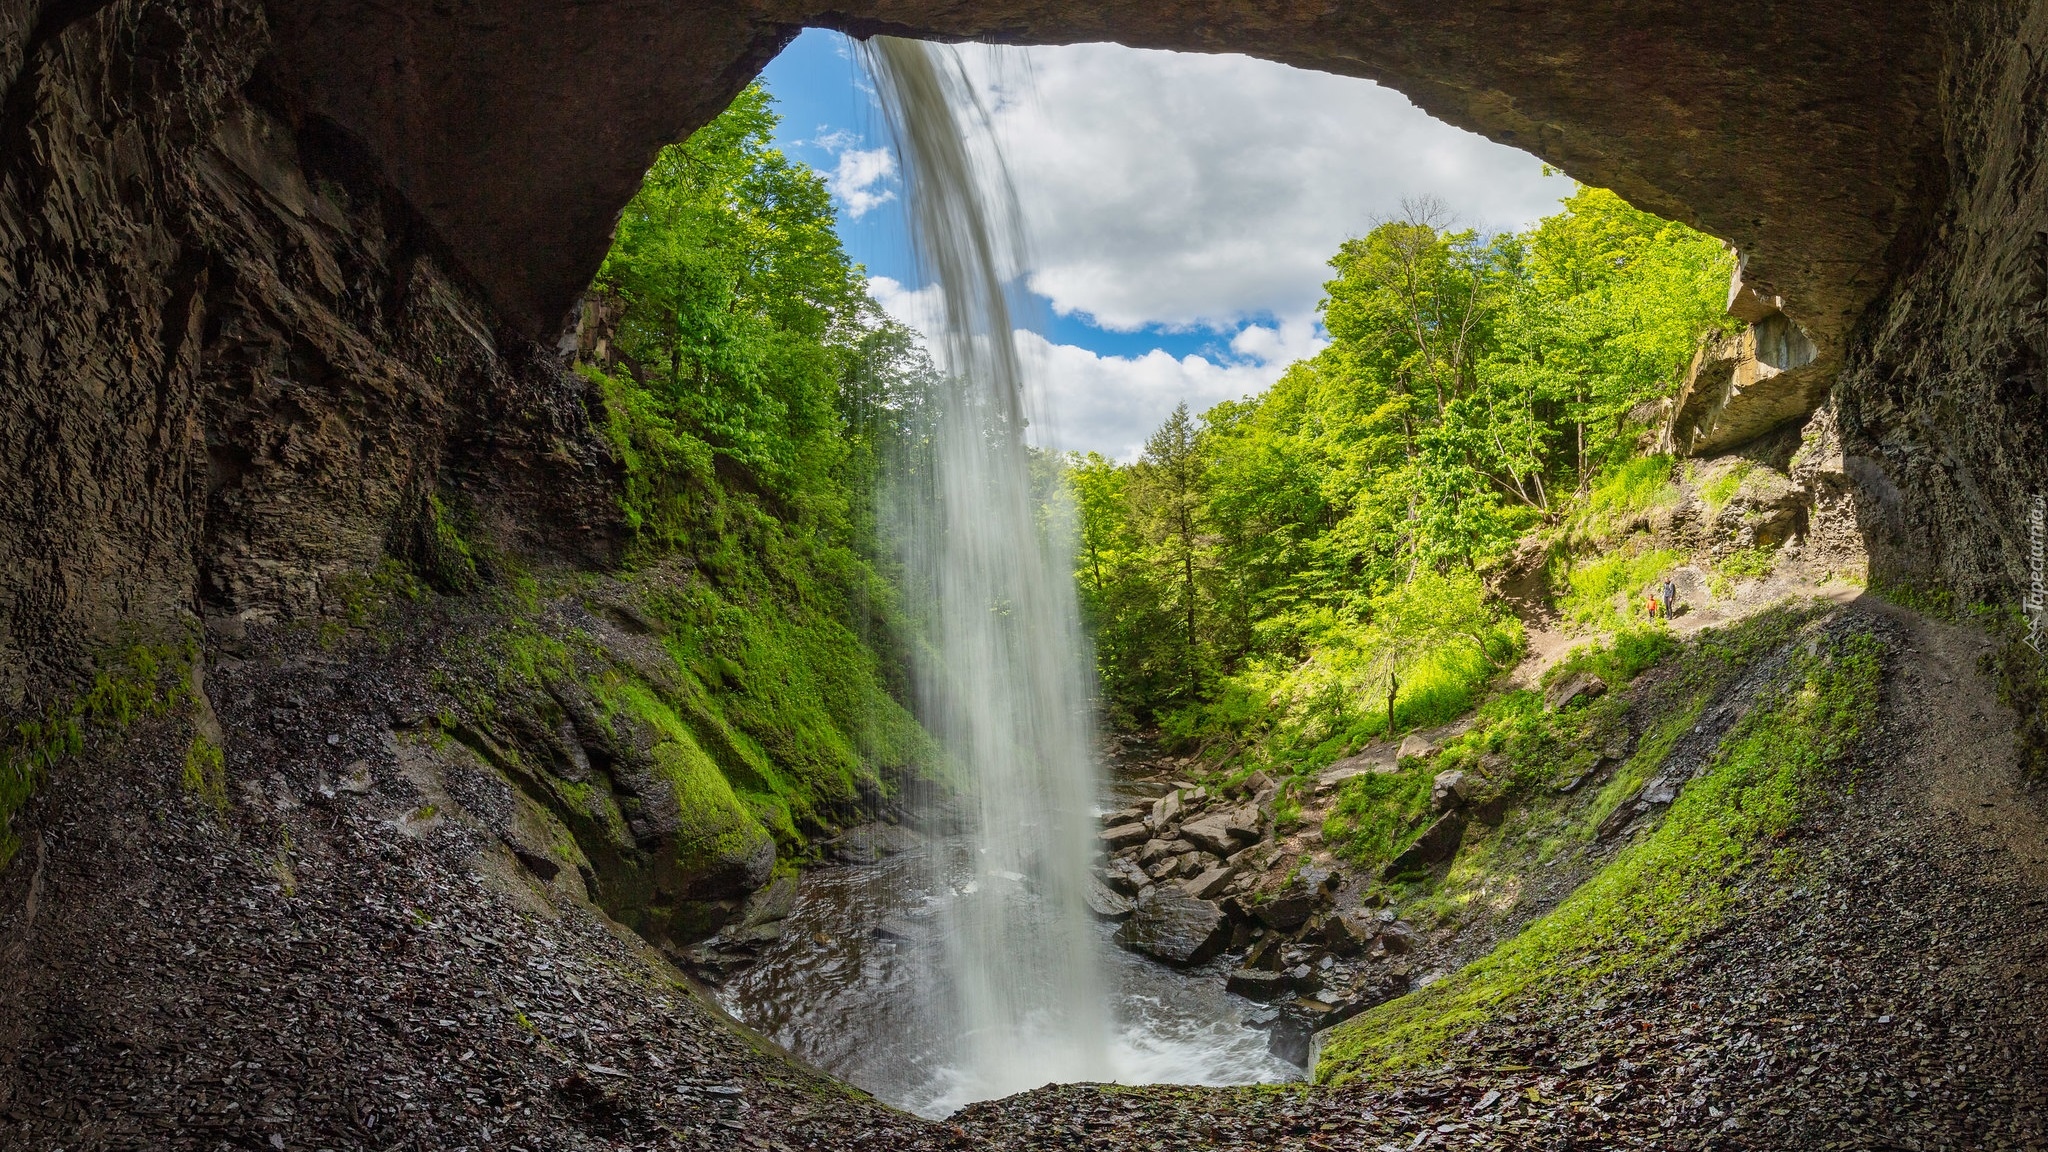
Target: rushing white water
[[1007, 689]]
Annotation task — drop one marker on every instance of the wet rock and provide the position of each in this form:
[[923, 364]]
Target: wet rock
[[1133, 815], [1224, 833], [771, 904], [1105, 903], [1416, 746], [1156, 849], [1436, 845], [1124, 836], [1210, 882], [1451, 790], [1170, 925], [1575, 687], [1125, 877], [869, 843], [1256, 985]]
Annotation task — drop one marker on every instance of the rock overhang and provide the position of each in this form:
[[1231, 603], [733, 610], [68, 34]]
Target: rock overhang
[[1805, 134]]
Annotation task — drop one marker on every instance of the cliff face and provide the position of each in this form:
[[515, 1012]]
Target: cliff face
[[236, 364], [1943, 402], [267, 296]]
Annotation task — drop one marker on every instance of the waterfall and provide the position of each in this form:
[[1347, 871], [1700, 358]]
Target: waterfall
[[1006, 686]]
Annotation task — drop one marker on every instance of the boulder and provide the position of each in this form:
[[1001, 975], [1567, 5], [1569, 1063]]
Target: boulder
[[1256, 985], [1436, 844], [1172, 926], [1575, 687], [1124, 836], [1210, 883], [1398, 938], [1414, 745], [1125, 877], [1348, 933], [1451, 790], [1132, 815], [1224, 832], [1104, 902], [1287, 910], [1156, 850], [1165, 811], [869, 843]]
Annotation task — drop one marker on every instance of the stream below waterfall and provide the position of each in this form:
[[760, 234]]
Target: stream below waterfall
[[857, 987]]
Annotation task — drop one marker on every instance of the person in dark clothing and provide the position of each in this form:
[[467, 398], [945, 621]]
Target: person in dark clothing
[[1670, 598]]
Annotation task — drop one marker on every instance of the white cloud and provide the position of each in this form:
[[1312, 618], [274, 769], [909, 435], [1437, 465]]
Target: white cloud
[[862, 176], [1083, 400], [917, 308], [1087, 401], [1190, 192], [1186, 190]]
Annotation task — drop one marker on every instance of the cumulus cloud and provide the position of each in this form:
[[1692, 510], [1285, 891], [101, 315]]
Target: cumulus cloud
[[1183, 190], [1184, 193], [862, 178], [1087, 401]]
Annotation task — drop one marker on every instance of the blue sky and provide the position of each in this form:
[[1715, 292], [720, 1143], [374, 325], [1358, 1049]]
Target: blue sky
[[1180, 209]]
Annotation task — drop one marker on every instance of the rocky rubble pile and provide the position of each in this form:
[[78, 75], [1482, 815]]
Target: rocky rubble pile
[[1196, 874]]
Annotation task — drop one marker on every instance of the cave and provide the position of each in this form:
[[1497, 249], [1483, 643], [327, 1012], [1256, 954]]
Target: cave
[[276, 274]]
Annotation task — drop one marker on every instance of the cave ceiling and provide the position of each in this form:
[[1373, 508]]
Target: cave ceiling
[[1805, 133]]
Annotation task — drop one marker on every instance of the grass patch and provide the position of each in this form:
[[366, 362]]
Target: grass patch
[[1624, 493], [1593, 586], [1661, 893], [1631, 651], [206, 772], [135, 683], [1378, 815]]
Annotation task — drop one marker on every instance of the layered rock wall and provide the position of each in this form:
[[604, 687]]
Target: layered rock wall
[[1944, 405], [236, 363], [277, 282]]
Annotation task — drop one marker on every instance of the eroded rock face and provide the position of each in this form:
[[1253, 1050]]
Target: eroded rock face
[[269, 307], [233, 365]]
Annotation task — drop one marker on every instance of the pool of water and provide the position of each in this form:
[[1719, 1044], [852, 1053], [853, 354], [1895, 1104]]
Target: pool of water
[[857, 986]]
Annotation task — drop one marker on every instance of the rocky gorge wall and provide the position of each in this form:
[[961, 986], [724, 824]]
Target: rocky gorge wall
[[271, 309], [233, 364]]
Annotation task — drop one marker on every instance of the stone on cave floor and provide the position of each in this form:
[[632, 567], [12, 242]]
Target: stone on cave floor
[[1124, 836], [1254, 984], [1123, 876], [1105, 902], [869, 843], [1210, 883], [1577, 686], [1170, 925]]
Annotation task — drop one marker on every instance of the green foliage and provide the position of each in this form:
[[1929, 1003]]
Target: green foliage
[[1618, 660], [1378, 815], [752, 395], [1747, 562], [142, 681], [1596, 587], [206, 774], [1621, 495], [1661, 894], [1283, 558]]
